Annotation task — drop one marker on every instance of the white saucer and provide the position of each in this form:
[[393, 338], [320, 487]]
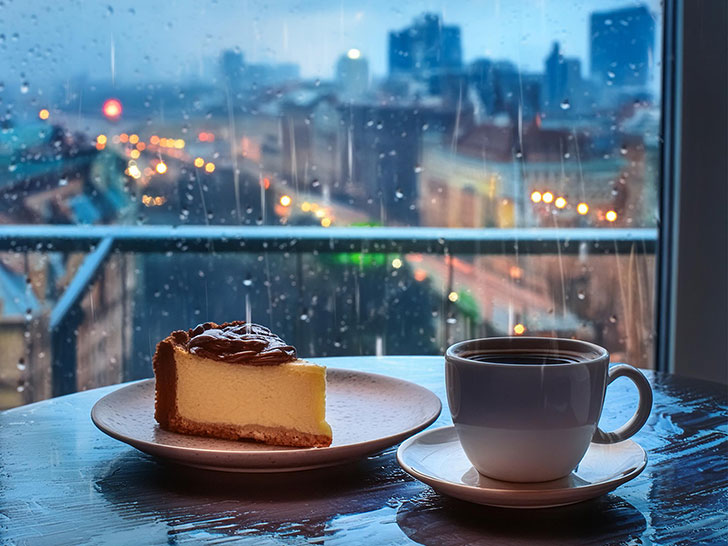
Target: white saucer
[[436, 458], [367, 413]]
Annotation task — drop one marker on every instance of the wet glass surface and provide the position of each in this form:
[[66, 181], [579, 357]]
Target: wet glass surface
[[498, 117]]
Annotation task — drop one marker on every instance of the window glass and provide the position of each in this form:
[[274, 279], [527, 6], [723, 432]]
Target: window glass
[[495, 116]]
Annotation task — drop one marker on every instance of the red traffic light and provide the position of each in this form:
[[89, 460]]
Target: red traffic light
[[112, 109]]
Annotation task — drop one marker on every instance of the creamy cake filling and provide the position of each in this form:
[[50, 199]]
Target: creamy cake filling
[[269, 404]]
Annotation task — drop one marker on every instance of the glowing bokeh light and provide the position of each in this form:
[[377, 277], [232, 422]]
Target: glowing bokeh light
[[112, 109]]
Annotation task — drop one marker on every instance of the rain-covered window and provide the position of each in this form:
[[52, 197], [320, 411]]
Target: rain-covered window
[[302, 164]]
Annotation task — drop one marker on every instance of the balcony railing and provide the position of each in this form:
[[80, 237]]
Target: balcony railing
[[100, 241]]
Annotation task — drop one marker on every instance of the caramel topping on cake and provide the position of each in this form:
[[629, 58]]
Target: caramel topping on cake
[[239, 343]]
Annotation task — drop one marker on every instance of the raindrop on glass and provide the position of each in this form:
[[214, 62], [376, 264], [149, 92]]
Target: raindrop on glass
[[613, 319], [24, 87], [580, 294], [565, 105], [398, 193], [21, 365], [63, 182]]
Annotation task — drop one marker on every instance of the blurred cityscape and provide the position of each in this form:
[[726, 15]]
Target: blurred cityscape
[[437, 142]]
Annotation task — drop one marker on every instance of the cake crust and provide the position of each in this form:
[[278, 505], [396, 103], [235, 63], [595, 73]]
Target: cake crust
[[165, 374], [167, 414], [278, 436]]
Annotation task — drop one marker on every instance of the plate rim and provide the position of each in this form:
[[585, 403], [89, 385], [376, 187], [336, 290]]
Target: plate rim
[[329, 455], [434, 481]]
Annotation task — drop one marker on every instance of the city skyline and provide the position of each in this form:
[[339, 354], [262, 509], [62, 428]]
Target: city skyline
[[495, 31]]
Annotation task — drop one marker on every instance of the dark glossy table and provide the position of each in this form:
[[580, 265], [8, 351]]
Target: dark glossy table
[[64, 482]]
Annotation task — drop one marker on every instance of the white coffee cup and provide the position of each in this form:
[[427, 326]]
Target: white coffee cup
[[526, 408]]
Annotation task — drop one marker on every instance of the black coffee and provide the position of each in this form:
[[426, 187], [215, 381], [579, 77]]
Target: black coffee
[[530, 358]]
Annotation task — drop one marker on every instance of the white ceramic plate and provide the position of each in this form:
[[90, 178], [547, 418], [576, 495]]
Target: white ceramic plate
[[436, 458], [367, 413]]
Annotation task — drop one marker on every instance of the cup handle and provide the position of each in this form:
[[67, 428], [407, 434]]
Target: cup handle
[[643, 409]]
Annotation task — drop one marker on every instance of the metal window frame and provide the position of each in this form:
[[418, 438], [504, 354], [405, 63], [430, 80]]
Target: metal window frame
[[692, 302]]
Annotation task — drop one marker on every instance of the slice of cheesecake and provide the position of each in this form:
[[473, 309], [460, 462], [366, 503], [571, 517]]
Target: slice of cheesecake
[[239, 381]]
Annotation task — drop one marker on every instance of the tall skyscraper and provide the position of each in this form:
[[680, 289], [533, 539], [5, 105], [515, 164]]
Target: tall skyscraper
[[562, 81], [425, 48], [622, 46], [232, 66], [352, 74]]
